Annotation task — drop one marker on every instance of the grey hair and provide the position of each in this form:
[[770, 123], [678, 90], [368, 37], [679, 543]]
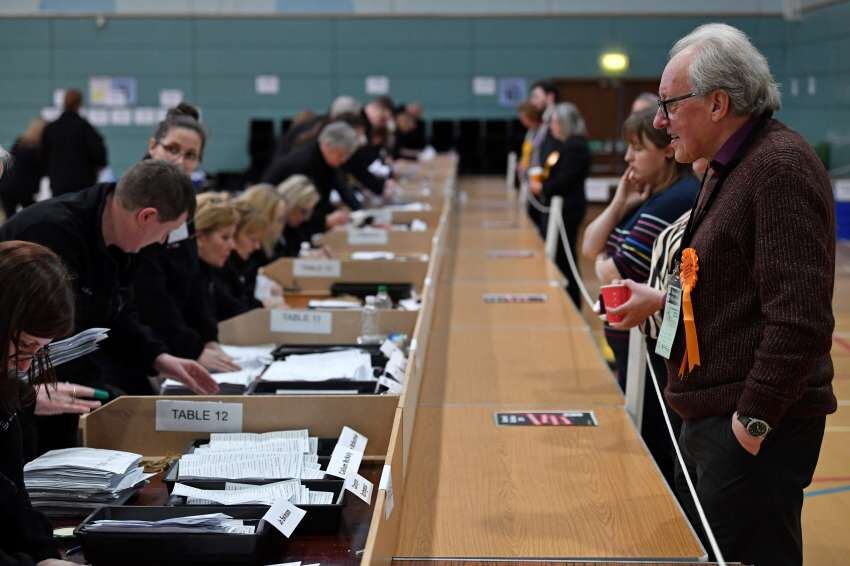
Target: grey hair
[[570, 119], [5, 160], [344, 105], [646, 97], [339, 135], [725, 59]]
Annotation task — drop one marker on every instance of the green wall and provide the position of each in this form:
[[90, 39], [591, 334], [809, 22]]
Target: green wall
[[432, 59]]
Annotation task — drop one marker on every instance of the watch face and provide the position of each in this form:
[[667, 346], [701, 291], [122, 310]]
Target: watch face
[[756, 428]]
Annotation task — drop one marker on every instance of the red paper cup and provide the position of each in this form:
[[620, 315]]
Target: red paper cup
[[614, 296]]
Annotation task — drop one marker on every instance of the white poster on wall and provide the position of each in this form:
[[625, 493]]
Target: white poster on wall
[[121, 117], [266, 84], [112, 91], [144, 116], [170, 97], [377, 85], [98, 117], [484, 86], [59, 97]]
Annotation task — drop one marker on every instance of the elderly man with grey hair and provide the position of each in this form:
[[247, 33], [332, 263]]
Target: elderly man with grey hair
[[749, 369], [320, 161]]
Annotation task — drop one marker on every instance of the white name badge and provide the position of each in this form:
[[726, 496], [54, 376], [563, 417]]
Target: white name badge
[[178, 235], [284, 516], [316, 268], [301, 321], [670, 324], [386, 484], [368, 237], [198, 416], [360, 486]]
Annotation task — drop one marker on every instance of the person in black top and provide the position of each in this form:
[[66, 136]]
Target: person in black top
[[320, 161], [216, 220], [301, 198], [565, 170], [36, 306], [168, 290], [98, 233], [74, 152], [20, 185]]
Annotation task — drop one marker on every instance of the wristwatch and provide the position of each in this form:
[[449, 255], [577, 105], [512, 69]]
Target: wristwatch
[[756, 428]]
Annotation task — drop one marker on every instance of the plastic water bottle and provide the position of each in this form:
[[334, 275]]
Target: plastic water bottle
[[305, 250], [369, 324], [382, 299]]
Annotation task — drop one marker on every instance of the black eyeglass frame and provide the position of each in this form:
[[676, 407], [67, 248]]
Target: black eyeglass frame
[[662, 104]]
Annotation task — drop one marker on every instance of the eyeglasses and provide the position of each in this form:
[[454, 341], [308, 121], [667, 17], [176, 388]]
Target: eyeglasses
[[664, 105], [175, 151]]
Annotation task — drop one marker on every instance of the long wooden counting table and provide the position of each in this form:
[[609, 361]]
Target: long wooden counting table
[[476, 491]]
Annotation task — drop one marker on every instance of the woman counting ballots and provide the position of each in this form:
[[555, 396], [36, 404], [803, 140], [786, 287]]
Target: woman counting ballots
[[36, 306]]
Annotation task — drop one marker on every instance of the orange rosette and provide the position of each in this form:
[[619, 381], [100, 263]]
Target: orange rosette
[[688, 276]]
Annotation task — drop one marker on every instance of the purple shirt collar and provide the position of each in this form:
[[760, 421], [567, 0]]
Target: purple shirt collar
[[728, 150]]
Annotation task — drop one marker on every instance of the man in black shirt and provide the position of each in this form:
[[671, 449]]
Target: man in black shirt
[[73, 150], [98, 232], [320, 161]]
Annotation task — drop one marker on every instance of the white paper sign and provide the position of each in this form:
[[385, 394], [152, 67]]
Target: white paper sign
[[316, 268], [386, 484], [59, 97], [360, 486], [121, 117], [484, 86], [368, 237], [266, 84], [347, 454], [98, 117], [397, 365], [198, 416], [301, 321], [144, 116], [392, 385], [179, 234], [377, 84], [842, 190], [170, 97], [388, 347], [284, 516]]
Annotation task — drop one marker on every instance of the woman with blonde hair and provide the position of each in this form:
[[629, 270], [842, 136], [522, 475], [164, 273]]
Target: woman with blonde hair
[[272, 209], [20, 185], [301, 197]]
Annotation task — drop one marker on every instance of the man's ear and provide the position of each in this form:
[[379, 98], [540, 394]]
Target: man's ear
[[151, 144], [147, 216], [721, 105]]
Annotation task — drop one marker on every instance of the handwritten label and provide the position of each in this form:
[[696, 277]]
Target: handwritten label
[[396, 366], [388, 347], [360, 486], [368, 237], [284, 516], [546, 418], [347, 454], [386, 484], [392, 385], [515, 297], [301, 321], [198, 416], [316, 268]]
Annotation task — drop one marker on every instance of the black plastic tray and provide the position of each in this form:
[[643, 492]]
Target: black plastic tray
[[136, 549], [396, 291], [271, 387], [82, 511], [320, 519], [223, 389], [326, 447], [378, 358]]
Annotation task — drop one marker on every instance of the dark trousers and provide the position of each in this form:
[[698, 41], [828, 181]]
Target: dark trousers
[[753, 503]]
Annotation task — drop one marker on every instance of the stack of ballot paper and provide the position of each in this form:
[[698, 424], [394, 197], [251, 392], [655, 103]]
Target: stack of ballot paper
[[270, 455], [211, 523], [250, 357], [231, 382], [76, 346], [71, 481], [352, 364], [251, 494]]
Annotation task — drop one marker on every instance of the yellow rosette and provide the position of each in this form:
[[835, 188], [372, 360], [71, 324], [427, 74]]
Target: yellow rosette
[[688, 276]]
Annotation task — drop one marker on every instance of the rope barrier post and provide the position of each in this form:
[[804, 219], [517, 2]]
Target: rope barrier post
[[510, 175], [555, 209], [635, 377]]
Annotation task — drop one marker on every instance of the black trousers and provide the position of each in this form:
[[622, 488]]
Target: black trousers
[[753, 503]]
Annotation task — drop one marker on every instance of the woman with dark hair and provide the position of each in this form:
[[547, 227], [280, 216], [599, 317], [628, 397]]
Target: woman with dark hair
[[36, 306]]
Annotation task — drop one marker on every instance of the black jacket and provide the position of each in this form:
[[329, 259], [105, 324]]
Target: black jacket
[[74, 152], [233, 287], [358, 167], [566, 178], [20, 183], [70, 225], [171, 298], [289, 243], [309, 161], [26, 536]]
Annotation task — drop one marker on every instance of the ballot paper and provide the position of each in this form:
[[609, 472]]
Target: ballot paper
[[210, 523], [410, 304], [248, 357], [74, 479], [251, 494], [350, 364], [409, 207], [76, 346], [242, 377]]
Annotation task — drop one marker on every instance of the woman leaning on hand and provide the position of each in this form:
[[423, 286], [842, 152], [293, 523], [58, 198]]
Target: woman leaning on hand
[[36, 306]]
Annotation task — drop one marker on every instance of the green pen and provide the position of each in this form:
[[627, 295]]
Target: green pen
[[101, 395]]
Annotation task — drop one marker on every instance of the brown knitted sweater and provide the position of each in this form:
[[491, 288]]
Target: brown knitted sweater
[[763, 299]]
